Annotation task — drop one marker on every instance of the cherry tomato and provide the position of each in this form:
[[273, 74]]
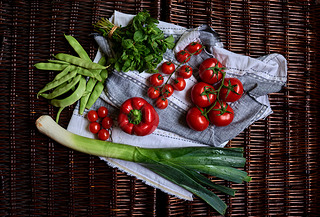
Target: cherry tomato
[[202, 94], [221, 115], [167, 90], [153, 92], [103, 134], [194, 47], [231, 90], [196, 120], [162, 102], [156, 80], [183, 56], [94, 127], [185, 71], [179, 84], [167, 67], [107, 123], [210, 71], [92, 116], [102, 112]]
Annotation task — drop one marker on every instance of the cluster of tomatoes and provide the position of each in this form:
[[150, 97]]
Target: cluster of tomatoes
[[211, 97], [95, 127], [160, 90]]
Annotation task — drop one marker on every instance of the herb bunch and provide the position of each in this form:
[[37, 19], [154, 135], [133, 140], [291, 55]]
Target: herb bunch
[[138, 46]]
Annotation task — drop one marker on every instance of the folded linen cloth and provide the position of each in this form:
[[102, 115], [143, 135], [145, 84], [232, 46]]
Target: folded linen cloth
[[259, 76]]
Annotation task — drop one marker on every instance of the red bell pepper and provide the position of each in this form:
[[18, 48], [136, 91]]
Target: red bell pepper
[[138, 117]]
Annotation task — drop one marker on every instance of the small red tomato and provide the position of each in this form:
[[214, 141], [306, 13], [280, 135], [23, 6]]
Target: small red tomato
[[162, 102], [92, 116], [94, 127], [194, 48], [153, 92], [203, 94], [167, 67], [107, 122], [210, 71], [221, 115], [185, 71], [183, 56], [179, 84], [196, 120], [156, 80], [103, 134], [167, 90], [102, 112], [231, 90]]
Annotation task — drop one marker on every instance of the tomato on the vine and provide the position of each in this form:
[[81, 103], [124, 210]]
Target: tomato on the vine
[[162, 102], [103, 134], [156, 80], [107, 122], [194, 47], [179, 84], [221, 115], [183, 56], [153, 92], [185, 71], [196, 120], [210, 71], [168, 67], [167, 90], [231, 90], [203, 94], [102, 112], [92, 116], [94, 127]]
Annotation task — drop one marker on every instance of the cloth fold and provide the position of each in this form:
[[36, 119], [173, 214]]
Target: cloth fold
[[260, 76]]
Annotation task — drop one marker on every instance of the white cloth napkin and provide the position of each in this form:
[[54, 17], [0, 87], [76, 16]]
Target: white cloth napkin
[[161, 138]]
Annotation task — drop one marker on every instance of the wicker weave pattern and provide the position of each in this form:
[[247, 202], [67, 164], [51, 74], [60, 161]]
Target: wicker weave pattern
[[40, 177]]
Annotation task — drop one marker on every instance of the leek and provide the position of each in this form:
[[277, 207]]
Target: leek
[[182, 166]]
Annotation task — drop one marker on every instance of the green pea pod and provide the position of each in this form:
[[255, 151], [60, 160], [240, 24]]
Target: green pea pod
[[74, 97], [59, 62], [56, 83], [50, 66], [97, 90], [62, 89], [63, 73], [89, 73], [90, 85], [78, 61], [77, 47]]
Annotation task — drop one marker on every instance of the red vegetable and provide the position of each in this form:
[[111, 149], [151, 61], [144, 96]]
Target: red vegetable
[[221, 115], [92, 116], [107, 123], [94, 127], [153, 92], [185, 71], [162, 102], [194, 47], [196, 120], [167, 67], [210, 71], [167, 90], [103, 134], [231, 90], [183, 56], [102, 112], [138, 117], [179, 84], [156, 80], [202, 94]]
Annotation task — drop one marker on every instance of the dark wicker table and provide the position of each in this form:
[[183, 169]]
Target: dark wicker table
[[40, 177]]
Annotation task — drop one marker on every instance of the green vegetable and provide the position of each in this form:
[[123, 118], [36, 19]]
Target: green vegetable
[[138, 46], [170, 163]]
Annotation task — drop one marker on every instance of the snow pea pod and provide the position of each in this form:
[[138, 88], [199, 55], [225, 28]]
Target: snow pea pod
[[56, 83], [74, 97], [62, 89], [85, 72], [77, 47], [63, 73], [50, 66], [59, 62], [78, 61], [97, 89]]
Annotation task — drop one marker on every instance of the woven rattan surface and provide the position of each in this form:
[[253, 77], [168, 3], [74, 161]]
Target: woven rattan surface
[[40, 177]]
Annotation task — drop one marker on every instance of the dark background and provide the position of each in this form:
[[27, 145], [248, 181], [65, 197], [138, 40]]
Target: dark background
[[39, 177]]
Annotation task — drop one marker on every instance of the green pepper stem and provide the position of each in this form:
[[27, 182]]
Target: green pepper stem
[[135, 116]]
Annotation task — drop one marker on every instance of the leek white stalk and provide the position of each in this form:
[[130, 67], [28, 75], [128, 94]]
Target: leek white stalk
[[179, 165]]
